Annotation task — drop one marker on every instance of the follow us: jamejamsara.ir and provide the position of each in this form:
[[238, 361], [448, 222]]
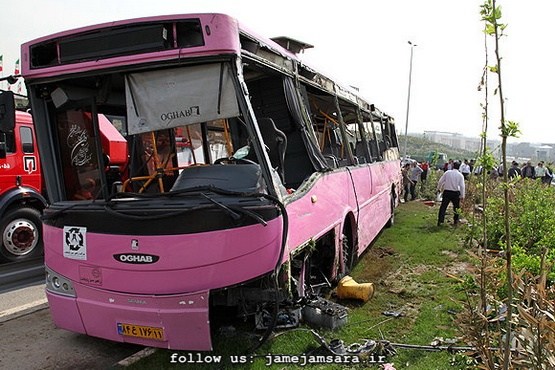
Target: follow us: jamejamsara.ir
[[275, 359]]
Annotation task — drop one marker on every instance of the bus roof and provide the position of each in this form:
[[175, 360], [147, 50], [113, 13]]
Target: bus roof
[[63, 53]]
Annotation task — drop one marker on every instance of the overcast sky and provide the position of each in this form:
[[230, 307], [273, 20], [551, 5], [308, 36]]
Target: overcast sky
[[364, 44]]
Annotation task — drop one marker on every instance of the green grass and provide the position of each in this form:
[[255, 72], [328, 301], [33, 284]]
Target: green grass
[[410, 265]]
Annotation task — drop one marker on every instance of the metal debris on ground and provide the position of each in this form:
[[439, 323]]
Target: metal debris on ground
[[286, 318], [393, 313], [322, 313], [367, 347]]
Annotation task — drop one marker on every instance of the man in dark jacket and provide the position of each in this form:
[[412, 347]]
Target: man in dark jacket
[[514, 171], [528, 171]]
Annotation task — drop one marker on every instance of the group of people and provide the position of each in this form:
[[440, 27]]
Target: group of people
[[412, 174], [451, 184], [529, 171]]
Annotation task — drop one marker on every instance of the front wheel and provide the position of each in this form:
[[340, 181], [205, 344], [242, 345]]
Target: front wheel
[[21, 233]]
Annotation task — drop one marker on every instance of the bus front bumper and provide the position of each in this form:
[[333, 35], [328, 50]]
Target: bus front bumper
[[179, 322]]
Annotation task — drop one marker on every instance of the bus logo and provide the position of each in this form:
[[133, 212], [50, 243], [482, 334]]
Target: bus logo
[[136, 258], [75, 242], [135, 244]]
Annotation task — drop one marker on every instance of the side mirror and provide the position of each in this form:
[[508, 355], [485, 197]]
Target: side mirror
[[3, 146], [7, 112]]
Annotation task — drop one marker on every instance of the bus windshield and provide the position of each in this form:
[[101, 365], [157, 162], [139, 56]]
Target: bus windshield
[[173, 119]]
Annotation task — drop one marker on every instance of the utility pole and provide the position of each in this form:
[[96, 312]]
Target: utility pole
[[408, 95]]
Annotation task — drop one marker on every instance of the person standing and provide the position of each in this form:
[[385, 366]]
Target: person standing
[[452, 185], [406, 181], [539, 171], [514, 171], [546, 179], [424, 175], [465, 169], [415, 173], [528, 171]]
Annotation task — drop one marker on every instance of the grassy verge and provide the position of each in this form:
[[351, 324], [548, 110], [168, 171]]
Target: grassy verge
[[413, 266]]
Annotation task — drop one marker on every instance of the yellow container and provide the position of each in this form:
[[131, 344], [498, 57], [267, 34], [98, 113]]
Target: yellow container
[[350, 289]]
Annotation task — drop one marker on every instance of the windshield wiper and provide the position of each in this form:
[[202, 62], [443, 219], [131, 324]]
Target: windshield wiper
[[232, 213], [252, 214]]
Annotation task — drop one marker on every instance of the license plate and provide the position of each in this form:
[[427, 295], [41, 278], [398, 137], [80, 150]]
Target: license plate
[[139, 331]]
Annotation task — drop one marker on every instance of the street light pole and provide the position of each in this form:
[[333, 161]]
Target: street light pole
[[408, 95]]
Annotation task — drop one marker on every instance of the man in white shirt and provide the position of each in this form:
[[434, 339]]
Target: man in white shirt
[[452, 185], [465, 169]]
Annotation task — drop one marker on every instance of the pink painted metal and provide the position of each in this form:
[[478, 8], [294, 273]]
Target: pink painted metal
[[223, 37], [182, 317], [181, 280], [188, 263], [332, 197]]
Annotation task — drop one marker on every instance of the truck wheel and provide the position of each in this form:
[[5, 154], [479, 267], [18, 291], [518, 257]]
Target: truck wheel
[[21, 233]]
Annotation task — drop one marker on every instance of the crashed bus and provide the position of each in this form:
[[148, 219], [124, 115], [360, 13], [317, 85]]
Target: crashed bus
[[253, 180]]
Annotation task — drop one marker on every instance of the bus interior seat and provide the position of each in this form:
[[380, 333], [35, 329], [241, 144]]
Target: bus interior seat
[[360, 153], [244, 177], [332, 144], [276, 143], [331, 160], [374, 149]]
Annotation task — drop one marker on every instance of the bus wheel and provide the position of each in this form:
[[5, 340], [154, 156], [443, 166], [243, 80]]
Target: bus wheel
[[21, 231], [391, 220]]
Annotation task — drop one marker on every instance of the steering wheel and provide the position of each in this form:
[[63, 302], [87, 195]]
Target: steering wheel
[[231, 160]]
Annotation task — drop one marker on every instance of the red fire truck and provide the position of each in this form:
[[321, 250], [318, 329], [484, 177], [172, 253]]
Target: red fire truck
[[22, 196]]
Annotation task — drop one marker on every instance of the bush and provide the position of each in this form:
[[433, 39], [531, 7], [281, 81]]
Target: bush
[[532, 222]]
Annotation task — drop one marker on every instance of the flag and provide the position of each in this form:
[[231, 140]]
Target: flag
[[1, 62], [16, 72], [19, 87]]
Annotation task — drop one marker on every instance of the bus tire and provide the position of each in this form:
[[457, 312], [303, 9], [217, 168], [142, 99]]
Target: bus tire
[[21, 234], [348, 256], [391, 220]]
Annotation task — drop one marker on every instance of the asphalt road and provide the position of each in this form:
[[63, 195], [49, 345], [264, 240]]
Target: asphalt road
[[32, 342]]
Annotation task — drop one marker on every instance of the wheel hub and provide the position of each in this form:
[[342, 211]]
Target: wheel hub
[[20, 237]]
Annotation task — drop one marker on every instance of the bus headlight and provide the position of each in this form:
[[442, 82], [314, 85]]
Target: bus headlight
[[58, 284]]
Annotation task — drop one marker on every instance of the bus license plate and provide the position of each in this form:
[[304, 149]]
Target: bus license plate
[[139, 331]]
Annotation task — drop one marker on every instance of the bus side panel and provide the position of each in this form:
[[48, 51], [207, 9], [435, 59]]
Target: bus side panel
[[377, 210], [321, 209], [363, 194]]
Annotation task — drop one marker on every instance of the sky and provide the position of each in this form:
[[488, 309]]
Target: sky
[[365, 44]]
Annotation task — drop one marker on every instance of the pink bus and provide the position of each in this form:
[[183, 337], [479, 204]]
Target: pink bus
[[253, 180]]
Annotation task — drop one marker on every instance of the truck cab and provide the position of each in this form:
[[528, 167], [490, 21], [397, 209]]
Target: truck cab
[[21, 185], [20, 164]]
